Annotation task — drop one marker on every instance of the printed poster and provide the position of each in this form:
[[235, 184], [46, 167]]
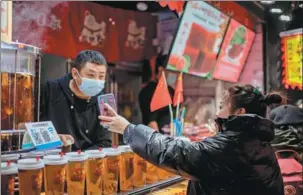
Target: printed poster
[[198, 39], [233, 54], [292, 58]]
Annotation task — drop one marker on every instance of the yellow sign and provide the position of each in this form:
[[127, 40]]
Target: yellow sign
[[6, 21], [293, 61]]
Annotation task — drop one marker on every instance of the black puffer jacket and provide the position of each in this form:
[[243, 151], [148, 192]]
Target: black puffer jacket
[[236, 161]]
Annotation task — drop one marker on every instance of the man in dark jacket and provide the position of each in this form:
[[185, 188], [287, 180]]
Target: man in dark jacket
[[288, 122], [71, 102]]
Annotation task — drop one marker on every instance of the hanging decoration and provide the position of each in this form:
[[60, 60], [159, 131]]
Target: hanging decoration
[[291, 46], [173, 5]]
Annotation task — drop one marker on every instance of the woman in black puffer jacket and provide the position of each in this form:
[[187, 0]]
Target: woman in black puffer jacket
[[239, 160]]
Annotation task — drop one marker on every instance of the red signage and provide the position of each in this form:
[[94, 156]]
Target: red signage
[[292, 58], [65, 28], [233, 53]]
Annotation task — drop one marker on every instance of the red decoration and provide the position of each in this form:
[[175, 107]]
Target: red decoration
[[291, 47], [173, 5], [161, 97]]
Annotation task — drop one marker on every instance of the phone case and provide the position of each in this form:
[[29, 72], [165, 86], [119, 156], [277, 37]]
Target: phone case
[[106, 99]]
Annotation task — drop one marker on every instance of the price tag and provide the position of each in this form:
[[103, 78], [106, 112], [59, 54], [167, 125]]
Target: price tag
[[43, 135]]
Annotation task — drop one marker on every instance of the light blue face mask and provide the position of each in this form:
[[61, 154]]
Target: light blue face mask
[[91, 87]]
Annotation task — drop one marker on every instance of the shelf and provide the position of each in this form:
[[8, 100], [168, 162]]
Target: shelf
[[153, 187]]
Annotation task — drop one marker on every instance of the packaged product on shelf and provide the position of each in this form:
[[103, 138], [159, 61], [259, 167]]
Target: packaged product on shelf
[[139, 171], [9, 171], [126, 168], [111, 176], [54, 174], [95, 171], [30, 176], [76, 170], [10, 157], [151, 173]]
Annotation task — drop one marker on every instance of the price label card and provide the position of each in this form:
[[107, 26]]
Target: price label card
[[43, 135]]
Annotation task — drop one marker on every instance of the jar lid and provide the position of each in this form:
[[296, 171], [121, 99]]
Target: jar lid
[[54, 152], [76, 156], [55, 160], [8, 168], [125, 148], [33, 154], [10, 157], [95, 154], [111, 151], [30, 164]]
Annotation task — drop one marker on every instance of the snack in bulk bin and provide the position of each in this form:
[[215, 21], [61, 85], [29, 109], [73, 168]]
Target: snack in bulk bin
[[8, 173], [111, 177], [10, 157], [151, 173], [76, 170], [95, 171], [54, 174], [139, 171], [30, 176], [126, 168], [162, 174]]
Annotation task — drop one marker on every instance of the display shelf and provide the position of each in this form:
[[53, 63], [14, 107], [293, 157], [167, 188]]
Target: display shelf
[[154, 187]]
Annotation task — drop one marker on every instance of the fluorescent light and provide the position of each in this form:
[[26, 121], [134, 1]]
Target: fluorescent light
[[142, 6], [267, 2], [285, 18], [276, 10]]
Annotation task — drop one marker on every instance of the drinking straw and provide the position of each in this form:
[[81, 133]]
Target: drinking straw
[[182, 119]]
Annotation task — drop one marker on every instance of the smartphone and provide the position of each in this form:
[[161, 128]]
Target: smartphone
[[106, 99]]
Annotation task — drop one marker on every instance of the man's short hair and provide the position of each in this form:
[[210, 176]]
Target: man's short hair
[[88, 56]]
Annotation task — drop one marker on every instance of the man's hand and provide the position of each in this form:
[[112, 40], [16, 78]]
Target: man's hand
[[116, 123], [67, 139]]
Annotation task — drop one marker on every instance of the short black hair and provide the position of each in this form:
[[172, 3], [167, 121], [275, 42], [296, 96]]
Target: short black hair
[[88, 56], [160, 62]]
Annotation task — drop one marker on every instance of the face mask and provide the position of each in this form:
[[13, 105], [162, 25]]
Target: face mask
[[91, 87], [220, 122]]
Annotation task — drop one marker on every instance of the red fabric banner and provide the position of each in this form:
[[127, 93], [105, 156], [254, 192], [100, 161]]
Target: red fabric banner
[[66, 28]]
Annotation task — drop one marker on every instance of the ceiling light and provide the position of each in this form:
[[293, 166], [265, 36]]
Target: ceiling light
[[267, 2], [285, 18], [142, 6], [301, 5], [276, 10]]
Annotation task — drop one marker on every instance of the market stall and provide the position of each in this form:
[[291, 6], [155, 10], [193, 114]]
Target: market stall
[[110, 170]]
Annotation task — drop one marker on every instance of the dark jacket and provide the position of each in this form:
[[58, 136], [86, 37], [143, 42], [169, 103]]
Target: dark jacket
[[74, 116], [236, 161], [288, 122]]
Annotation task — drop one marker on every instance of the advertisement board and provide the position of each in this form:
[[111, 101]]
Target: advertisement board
[[291, 46], [198, 39], [234, 51]]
